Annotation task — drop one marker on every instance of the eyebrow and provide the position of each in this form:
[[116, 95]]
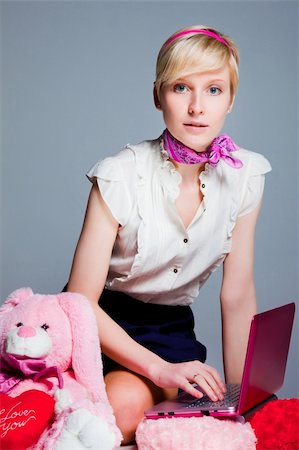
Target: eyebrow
[[213, 80], [217, 80]]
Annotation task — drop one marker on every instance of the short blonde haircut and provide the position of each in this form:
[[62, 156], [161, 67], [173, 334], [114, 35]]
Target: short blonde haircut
[[195, 52]]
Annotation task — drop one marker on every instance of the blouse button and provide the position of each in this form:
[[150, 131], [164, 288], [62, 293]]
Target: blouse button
[[185, 240], [175, 270], [203, 185]]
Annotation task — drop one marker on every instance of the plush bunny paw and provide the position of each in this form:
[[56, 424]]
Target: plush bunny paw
[[62, 400], [83, 430]]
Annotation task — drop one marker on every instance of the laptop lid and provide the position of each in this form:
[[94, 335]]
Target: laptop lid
[[267, 354], [264, 369]]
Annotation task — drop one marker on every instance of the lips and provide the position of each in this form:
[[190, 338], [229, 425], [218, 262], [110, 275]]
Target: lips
[[196, 125]]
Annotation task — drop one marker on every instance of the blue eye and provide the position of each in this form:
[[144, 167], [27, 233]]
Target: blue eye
[[180, 88], [213, 90]]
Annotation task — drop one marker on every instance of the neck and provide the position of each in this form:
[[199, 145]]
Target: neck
[[189, 173]]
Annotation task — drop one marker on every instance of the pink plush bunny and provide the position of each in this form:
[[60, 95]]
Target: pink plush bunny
[[49, 345]]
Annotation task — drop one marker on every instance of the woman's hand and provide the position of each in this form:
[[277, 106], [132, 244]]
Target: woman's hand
[[184, 375]]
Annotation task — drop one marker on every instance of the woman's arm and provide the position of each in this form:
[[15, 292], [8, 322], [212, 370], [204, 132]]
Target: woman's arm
[[93, 252], [88, 276], [238, 300]]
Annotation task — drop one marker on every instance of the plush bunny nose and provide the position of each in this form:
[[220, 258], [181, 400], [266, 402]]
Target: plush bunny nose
[[25, 332]]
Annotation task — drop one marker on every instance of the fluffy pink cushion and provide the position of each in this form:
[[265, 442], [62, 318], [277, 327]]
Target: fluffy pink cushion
[[194, 433]]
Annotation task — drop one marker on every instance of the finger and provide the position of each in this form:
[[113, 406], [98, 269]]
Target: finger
[[217, 378], [212, 375], [209, 386], [190, 389]]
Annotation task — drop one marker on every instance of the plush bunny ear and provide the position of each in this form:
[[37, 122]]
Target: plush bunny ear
[[15, 298], [86, 353]]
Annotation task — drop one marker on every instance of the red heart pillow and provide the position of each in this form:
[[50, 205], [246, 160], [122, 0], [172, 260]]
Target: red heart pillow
[[24, 418]]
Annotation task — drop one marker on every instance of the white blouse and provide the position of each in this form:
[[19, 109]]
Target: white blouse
[[155, 258]]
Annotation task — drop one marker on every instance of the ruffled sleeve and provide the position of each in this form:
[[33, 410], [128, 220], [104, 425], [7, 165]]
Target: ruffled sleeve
[[252, 191], [109, 174]]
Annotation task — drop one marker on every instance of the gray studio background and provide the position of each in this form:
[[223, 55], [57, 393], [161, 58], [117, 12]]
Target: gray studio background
[[77, 86]]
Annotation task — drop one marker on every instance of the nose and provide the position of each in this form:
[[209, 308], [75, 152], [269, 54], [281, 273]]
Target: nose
[[25, 332], [196, 105]]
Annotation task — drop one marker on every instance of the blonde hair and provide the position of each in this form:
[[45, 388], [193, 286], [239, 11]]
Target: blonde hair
[[195, 52]]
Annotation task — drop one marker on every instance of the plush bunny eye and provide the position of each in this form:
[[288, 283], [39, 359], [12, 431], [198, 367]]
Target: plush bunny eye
[[45, 326], [20, 324]]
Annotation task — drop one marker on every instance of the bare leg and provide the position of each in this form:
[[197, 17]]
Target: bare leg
[[130, 395]]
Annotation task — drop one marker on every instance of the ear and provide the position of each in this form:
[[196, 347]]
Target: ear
[[15, 298], [231, 105], [156, 98], [86, 353]]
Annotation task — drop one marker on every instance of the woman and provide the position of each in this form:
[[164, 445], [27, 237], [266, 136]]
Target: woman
[[161, 217]]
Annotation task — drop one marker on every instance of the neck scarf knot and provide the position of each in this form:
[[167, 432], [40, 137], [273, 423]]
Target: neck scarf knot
[[220, 148]]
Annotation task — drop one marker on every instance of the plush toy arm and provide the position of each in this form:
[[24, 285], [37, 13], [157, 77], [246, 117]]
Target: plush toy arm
[[63, 400], [82, 430], [79, 425], [78, 429]]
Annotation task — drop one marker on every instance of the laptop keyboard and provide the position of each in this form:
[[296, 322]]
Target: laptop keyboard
[[231, 398]]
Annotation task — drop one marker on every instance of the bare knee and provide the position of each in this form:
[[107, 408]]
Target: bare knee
[[130, 395]]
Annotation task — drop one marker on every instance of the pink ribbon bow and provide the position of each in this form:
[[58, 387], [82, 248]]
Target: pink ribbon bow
[[14, 370]]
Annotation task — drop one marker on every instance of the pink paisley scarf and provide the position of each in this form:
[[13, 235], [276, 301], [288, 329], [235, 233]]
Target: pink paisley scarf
[[220, 148]]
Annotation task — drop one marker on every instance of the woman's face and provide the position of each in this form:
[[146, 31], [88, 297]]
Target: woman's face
[[194, 107]]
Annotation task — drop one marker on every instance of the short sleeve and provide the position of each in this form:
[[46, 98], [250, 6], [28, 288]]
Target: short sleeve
[[109, 176], [253, 188]]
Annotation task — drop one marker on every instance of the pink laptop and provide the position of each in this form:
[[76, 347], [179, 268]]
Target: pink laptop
[[263, 375]]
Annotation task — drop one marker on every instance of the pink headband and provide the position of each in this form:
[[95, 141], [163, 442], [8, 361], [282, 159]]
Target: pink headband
[[196, 31]]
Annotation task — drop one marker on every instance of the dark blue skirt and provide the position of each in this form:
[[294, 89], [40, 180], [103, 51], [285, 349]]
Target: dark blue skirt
[[166, 330]]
